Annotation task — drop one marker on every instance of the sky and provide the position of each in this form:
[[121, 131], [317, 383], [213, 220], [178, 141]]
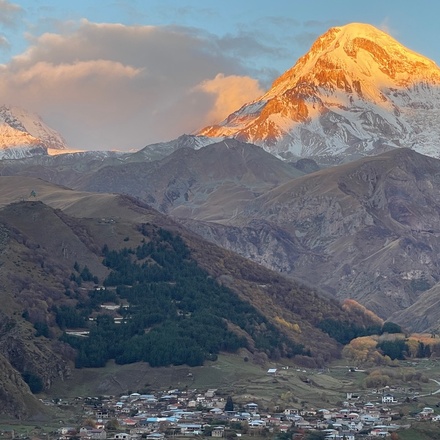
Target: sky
[[122, 74]]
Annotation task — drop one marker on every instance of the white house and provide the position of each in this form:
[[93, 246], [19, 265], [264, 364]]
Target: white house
[[122, 436], [388, 398]]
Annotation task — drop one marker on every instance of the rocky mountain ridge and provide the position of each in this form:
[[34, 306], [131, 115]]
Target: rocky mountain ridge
[[207, 183], [204, 183]]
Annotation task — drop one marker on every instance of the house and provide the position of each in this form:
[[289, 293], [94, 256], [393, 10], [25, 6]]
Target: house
[[218, 431], [256, 423], [95, 434], [302, 424], [369, 406], [331, 434], [110, 306], [155, 436], [426, 413], [284, 427], [378, 432], [67, 430], [210, 393], [122, 436], [348, 435], [251, 407], [101, 414], [190, 428], [368, 419], [388, 398]]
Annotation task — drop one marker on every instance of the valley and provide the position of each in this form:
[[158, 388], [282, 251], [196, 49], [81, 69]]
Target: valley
[[281, 315], [300, 397]]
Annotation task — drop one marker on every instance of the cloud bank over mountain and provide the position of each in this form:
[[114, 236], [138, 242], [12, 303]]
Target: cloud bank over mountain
[[114, 86]]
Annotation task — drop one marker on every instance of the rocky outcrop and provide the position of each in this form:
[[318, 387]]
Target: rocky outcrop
[[27, 365]]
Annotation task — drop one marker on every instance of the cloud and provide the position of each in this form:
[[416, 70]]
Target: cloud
[[4, 43], [320, 23], [387, 28], [9, 16], [114, 86], [248, 45], [9, 13], [230, 93]]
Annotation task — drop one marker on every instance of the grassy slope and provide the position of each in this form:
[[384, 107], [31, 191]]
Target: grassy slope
[[231, 375]]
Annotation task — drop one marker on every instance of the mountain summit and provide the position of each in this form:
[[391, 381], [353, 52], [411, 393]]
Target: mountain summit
[[357, 92], [24, 134]]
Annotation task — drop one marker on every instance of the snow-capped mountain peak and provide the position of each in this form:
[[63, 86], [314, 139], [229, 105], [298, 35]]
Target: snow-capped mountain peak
[[24, 134], [356, 92]]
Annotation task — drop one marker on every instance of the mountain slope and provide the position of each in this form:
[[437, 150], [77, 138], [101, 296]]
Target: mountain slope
[[356, 92], [424, 314], [367, 230], [49, 235], [208, 183]]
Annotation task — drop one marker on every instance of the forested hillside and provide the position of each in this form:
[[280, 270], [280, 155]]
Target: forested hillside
[[176, 313]]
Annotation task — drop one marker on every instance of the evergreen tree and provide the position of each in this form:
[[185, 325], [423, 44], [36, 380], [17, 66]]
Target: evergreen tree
[[229, 404], [391, 327], [34, 381]]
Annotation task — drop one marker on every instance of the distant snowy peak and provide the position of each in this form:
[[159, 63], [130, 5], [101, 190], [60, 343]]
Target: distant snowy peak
[[356, 92], [24, 134], [358, 51]]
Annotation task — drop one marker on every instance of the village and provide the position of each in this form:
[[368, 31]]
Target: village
[[191, 412]]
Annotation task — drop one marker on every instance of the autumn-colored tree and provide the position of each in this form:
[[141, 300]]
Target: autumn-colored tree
[[413, 346], [363, 350], [377, 379], [89, 422], [361, 311]]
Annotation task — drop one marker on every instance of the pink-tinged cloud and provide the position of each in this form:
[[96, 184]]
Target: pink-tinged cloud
[[230, 93], [115, 86]]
